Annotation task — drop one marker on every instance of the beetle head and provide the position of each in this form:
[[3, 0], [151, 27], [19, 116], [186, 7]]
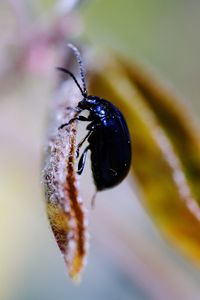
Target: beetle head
[[87, 102]]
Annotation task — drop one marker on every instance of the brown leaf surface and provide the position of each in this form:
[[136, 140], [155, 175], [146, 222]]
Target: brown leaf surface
[[65, 209]]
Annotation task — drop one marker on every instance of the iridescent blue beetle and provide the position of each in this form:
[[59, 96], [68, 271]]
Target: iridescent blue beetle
[[108, 136]]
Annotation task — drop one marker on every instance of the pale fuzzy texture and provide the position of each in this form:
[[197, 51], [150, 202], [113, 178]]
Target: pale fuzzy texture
[[57, 144], [65, 207]]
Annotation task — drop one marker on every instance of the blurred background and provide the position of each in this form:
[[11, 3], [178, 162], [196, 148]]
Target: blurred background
[[128, 258]]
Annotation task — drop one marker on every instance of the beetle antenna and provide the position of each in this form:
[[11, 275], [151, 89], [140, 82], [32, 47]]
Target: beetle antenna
[[73, 77], [82, 72]]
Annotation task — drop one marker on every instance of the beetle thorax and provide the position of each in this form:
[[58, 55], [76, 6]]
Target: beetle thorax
[[88, 102]]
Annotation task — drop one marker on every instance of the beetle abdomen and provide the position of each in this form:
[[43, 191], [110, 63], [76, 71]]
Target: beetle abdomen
[[110, 152]]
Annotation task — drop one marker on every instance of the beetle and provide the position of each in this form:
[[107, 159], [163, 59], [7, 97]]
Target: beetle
[[108, 135]]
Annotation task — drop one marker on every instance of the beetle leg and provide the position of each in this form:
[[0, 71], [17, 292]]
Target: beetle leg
[[93, 200], [81, 143], [82, 160], [92, 126], [79, 118], [72, 108]]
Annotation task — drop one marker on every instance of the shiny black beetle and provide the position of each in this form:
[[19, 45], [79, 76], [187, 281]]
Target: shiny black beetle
[[108, 136]]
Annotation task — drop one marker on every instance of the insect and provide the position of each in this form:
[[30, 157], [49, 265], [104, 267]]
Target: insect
[[108, 135]]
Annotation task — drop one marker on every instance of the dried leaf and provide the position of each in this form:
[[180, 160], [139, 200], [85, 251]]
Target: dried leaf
[[65, 209], [166, 148]]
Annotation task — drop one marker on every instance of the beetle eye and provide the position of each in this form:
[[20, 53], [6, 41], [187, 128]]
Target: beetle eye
[[81, 104]]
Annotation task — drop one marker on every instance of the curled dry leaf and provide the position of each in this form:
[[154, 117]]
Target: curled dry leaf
[[65, 209], [166, 148]]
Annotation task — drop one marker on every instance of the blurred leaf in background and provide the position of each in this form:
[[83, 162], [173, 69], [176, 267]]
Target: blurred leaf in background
[[163, 34], [128, 259]]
